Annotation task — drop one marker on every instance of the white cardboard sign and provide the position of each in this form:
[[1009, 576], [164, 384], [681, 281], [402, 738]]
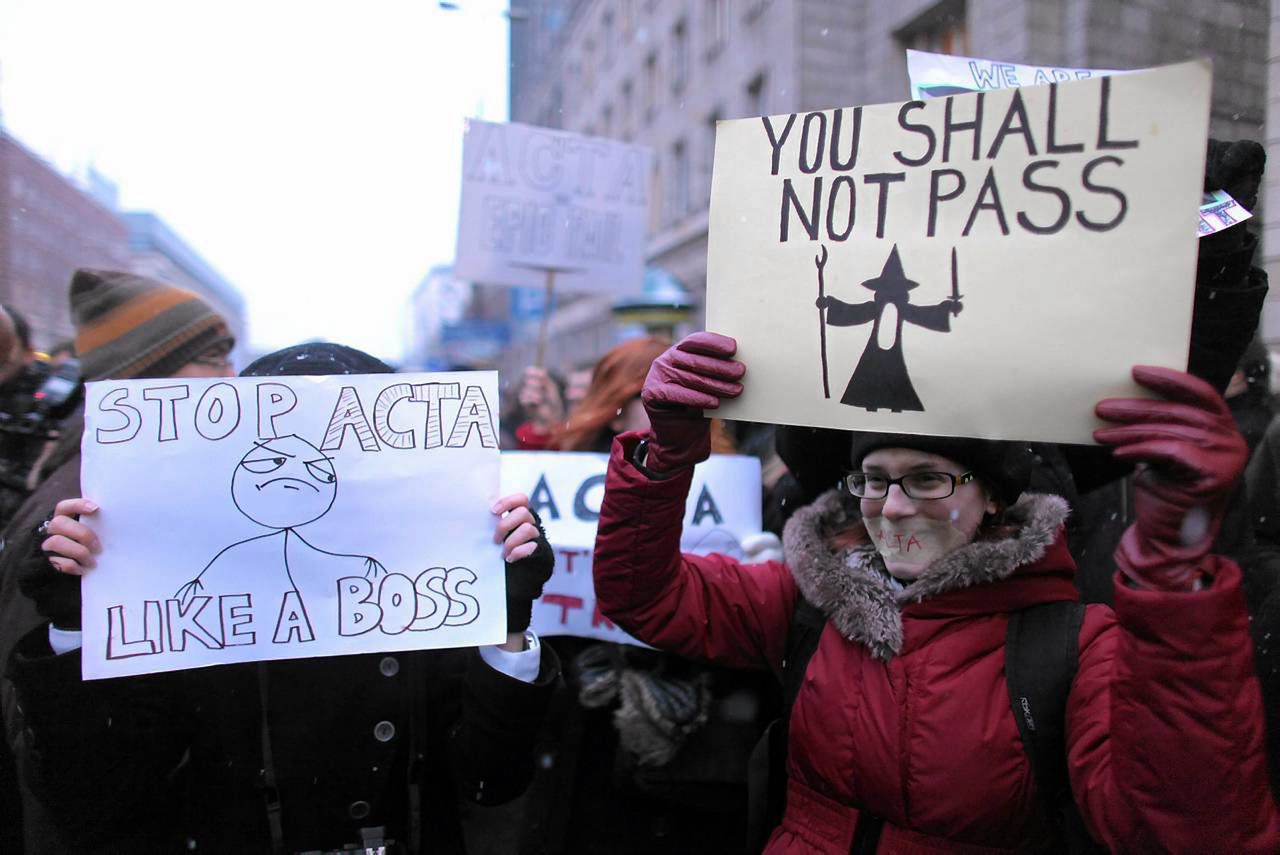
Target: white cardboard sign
[[565, 488], [536, 199], [284, 517], [844, 246], [936, 75]]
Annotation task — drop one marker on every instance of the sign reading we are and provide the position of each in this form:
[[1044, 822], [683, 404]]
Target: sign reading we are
[[282, 517], [974, 265]]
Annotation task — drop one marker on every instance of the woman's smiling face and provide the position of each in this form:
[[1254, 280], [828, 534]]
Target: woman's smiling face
[[911, 534], [284, 483]]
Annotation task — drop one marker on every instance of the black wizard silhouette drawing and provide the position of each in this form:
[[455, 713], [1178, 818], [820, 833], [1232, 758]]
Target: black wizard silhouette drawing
[[881, 381]]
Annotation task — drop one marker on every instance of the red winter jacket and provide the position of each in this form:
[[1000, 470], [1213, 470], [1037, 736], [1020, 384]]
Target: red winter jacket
[[904, 710]]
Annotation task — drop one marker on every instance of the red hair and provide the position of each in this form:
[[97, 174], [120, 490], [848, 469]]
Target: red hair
[[616, 380]]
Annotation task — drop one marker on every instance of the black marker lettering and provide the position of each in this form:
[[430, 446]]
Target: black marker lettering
[[170, 395], [810, 222], [922, 129], [806, 166], [1086, 178], [883, 179], [1053, 146], [776, 142], [1064, 201], [936, 196], [113, 402], [855, 138], [989, 188]]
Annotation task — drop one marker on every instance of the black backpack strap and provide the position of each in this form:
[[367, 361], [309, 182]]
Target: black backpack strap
[[1042, 653], [767, 770], [802, 640]]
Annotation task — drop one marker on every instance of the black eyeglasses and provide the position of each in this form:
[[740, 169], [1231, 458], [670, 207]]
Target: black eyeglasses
[[917, 485]]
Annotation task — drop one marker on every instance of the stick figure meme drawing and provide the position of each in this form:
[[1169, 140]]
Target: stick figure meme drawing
[[282, 484], [880, 380]]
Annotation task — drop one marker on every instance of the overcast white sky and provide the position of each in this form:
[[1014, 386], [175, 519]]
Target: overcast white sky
[[308, 150]]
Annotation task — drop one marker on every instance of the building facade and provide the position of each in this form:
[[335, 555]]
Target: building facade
[[663, 72], [49, 226]]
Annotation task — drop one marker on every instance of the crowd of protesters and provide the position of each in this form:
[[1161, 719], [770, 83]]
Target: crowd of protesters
[[1079, 658]]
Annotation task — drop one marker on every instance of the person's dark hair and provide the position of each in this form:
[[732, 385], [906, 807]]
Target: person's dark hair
[[21, 328], [316, 358]]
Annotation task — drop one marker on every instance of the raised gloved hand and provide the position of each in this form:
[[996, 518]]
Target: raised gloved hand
[[51, 577], [528, 555], [1192, 455], [1236, 167], [691, 376]]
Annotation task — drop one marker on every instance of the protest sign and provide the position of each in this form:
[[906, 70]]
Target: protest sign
[[935, 75], [844, 245], [565, 488], [1219, 211], [537, 200], [283, 517]]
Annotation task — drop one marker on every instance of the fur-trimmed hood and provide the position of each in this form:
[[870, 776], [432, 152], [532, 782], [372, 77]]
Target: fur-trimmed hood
[[852, 588]]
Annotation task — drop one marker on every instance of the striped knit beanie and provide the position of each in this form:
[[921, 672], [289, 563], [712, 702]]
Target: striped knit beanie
[[130, 326]]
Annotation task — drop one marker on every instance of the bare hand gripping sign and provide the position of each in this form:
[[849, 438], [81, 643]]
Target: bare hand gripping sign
[[1057, 206], [273, 518]]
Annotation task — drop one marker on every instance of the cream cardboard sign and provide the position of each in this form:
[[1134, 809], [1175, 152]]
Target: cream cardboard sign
[[988, 264]]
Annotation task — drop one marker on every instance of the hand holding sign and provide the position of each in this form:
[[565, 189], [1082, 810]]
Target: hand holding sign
[[693, 375], [1195, 454], [70, 547], [528, 557]]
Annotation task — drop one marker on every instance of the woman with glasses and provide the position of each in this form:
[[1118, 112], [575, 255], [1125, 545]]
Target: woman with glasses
[[902, 736]]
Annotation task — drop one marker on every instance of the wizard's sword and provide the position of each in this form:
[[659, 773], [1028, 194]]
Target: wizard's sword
[[955, 277], [821, 262]]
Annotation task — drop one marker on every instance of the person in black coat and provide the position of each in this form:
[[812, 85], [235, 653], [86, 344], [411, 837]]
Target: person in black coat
[[365, 750]]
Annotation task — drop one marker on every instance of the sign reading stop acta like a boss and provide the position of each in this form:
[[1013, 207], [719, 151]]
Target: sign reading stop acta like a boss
[[281, 517]]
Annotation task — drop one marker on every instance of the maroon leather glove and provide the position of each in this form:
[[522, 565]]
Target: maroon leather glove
[[693, 375], [1193, 455]]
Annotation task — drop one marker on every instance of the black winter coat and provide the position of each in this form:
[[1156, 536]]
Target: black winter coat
[[211, 759]]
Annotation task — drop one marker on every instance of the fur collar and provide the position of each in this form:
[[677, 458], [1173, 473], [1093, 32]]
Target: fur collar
[[852, 588]]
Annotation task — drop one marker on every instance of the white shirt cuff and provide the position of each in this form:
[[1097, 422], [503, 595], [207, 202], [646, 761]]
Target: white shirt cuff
[[63, 640], [522, 666]]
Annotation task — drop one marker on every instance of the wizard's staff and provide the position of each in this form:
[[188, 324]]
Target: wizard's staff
[[821, 262]]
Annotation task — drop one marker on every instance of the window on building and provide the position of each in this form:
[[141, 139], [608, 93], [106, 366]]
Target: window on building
[[606, 121], [757, 98], [609, 39], [715, 25], [755, 8], [679, 55], [628, 8], [679, 176], [655, 195], [589, 65], [627, 120], [941, 29], [650, 87]]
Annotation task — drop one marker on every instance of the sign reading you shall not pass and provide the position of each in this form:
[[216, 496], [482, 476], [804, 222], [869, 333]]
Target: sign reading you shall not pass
[[284, 517], [988, 264]]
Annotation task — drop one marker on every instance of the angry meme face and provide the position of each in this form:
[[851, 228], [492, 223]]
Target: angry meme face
[[284, 482]]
